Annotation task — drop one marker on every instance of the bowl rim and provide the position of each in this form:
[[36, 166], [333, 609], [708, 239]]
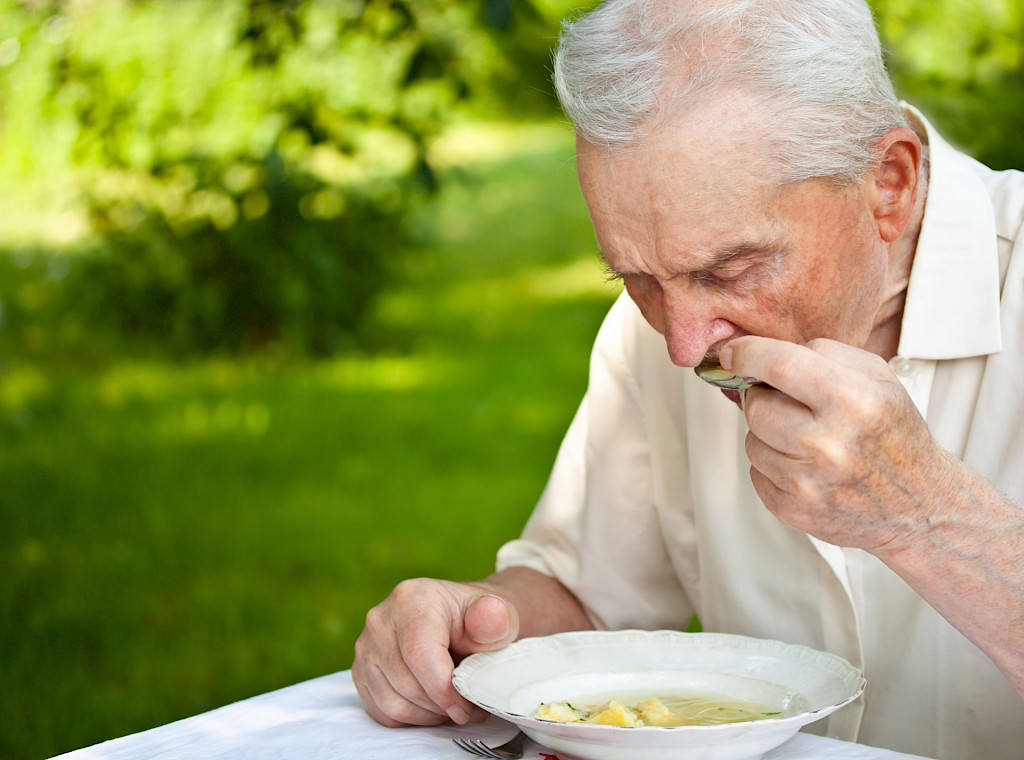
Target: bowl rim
[[851, 676]]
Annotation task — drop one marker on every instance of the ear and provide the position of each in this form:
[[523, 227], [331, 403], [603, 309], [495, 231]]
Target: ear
[[893, 184]]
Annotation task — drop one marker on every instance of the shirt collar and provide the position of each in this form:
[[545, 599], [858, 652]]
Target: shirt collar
[[952, 306]]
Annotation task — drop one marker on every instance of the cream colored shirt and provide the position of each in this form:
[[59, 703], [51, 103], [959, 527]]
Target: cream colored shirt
[[650, 516]]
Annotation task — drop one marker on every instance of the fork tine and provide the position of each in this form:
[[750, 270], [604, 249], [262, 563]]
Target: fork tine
[[463, 746], [475, 747], [491, 751], [486, 751], [513, 748]]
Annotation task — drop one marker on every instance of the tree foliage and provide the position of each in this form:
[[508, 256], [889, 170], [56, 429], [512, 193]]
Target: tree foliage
[[962, 62], [247, 165]]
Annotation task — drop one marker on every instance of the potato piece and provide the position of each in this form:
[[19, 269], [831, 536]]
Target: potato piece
[[614, 713], [560, 711], [654, 713]]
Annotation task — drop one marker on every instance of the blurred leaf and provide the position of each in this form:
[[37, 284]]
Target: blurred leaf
[[248, 166], [961, 61], [498, 13]]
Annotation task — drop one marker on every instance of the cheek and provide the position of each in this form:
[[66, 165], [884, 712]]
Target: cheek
[[804, 300], [838, 295], [855, 269]]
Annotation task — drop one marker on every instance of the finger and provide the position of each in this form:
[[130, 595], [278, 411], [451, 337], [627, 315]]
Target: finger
[[783, 491], [423, 644], [403, 627], [406, 680], [431, 667], [798, 371], [768, 491], [391, 691], [859, 360], [767, 462], [489, 623], [777, 420], [405, 654], [387, 706]]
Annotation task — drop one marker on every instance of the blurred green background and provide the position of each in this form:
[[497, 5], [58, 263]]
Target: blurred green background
[[296, 300]]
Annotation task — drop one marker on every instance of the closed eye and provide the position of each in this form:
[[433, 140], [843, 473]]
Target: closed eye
[[726, 274], [746, 266], [612, 275], [723, 276]]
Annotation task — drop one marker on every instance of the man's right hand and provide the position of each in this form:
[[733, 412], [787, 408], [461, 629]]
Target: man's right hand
[[406, 654]]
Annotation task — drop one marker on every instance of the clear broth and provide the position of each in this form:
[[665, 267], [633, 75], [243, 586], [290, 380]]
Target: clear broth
[[658, 710]]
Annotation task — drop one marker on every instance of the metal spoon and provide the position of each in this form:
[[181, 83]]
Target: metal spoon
[[713, 372]]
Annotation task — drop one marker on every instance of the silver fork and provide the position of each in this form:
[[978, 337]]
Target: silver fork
[[510, 749]]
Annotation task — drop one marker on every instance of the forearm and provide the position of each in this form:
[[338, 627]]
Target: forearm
[[544, 605], [968, 563]]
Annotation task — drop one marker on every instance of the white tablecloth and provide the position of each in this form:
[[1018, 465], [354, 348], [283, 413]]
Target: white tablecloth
[[323, 719]]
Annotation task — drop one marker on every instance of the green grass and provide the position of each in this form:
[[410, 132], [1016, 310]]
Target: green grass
[[174, 537]]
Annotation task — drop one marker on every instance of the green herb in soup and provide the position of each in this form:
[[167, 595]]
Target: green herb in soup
[[678, 710]]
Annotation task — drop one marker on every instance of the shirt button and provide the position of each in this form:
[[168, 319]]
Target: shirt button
[[902, 366]]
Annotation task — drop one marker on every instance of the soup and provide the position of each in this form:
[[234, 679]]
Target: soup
[[664, 710]]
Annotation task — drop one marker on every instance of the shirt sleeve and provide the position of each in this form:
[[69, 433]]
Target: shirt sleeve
[[596, 528]]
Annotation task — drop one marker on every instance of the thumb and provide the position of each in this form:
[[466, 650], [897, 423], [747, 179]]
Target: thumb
[[489, 623]]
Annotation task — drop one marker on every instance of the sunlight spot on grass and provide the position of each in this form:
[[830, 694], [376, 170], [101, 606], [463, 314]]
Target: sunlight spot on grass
[[257, 418], [228, 416], [580, 279], [126, 382], [467, 143], [195, 419], [396, 373]]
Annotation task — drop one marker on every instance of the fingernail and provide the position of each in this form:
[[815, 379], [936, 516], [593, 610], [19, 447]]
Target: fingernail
[[725, 358], [458, 714]]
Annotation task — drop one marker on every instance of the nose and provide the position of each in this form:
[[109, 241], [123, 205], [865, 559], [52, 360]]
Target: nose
[[690, 323]]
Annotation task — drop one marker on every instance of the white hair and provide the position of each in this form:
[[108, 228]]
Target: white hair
[[816, 65]]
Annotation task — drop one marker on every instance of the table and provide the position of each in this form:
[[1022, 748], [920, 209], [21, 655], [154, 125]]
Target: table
[[323, 719]]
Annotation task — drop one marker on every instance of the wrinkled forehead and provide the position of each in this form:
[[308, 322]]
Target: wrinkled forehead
[[713, 166], [719, 144]]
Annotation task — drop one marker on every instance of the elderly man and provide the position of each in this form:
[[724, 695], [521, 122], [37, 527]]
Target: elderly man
[[768, 203]]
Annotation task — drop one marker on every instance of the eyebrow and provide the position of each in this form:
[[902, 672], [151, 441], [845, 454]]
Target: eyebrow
[[768, 246]]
